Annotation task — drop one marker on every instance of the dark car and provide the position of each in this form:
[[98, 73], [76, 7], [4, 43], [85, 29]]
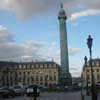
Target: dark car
[[6, 92], [18, 90], [32, 90]]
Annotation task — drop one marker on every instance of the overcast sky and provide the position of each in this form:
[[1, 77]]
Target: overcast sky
[[29, 30]]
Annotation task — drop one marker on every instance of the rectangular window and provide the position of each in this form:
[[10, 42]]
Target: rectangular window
[[98, 77], [88, 70], [97, 70]]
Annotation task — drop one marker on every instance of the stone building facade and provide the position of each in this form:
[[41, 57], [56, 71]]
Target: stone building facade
[[28, 73], [86, 74]]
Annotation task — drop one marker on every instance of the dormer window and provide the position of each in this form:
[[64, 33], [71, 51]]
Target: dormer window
[[97, 64], [20, 66]]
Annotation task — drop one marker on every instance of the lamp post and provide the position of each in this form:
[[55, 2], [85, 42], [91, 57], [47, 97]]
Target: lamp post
[[89, 44], [85, 59]]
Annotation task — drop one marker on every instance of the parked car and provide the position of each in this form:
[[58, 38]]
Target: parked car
[[18, 90], [43, 89], [11, 92], [6, 92], [32, 90]]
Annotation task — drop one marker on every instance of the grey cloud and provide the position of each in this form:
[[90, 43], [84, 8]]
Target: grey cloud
[[81, 4], [53, 51], [73, 69], [27, 8], [93, 3], [10, 50], [13, 51], [30, 50], [82, 8], [73, 51], [5, 36]]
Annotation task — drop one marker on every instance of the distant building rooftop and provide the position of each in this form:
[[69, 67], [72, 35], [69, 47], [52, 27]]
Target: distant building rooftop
[[12, 64], [95, 63]]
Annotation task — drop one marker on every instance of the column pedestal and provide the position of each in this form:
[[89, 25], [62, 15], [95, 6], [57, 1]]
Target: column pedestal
[[66, 79]]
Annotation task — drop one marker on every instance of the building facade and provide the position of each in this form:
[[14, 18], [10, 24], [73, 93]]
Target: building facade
[[40, 73], [86, 74]]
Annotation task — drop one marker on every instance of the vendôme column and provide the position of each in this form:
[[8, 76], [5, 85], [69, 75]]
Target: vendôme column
[[65, 78]]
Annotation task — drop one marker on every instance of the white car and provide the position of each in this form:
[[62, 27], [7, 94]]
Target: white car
[[33, 90]]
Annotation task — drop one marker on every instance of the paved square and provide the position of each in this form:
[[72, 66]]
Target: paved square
[[54, 96]]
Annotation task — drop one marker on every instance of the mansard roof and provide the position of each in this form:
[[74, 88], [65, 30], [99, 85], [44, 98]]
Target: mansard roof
[[95, 63], [12, 64], [42, 62], [96, 60], [7, 64]]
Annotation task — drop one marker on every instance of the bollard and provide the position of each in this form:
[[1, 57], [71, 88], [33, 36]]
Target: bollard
[[35, 98], [82, 97], [95, 96]]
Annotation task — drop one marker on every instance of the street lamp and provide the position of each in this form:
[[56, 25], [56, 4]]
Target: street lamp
[[85, 59], [89, 44]]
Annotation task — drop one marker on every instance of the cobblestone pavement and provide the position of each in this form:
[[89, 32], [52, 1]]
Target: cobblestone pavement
[[54, 96]]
